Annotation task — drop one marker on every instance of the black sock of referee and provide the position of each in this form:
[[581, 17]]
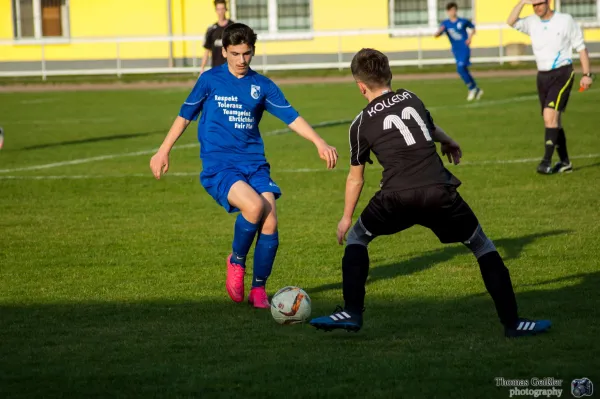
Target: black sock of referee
[[561, 147], [355, 270], [497, 281], [551, 141]]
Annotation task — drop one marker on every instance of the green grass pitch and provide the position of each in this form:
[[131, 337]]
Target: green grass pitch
[[112, 283]]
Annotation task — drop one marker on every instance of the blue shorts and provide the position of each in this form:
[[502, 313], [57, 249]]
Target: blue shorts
[[462, 57], [217, 181]]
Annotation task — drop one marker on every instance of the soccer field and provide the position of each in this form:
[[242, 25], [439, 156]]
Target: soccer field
[[112, 283]]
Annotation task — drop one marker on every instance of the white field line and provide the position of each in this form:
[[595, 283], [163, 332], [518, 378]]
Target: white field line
[[59, 121], [92, 159], [303, 170], [271, 133]]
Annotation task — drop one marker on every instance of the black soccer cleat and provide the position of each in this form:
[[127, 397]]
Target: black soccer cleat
[[562, 167], [526, 328], [339, 319], [544, 168]]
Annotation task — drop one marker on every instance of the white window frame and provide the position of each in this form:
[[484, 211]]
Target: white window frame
[[557, 8], [37, 22], [432, 16], [273, 20]]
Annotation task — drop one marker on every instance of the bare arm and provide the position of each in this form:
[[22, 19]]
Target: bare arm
[[326, 152], [449, 147], [205, 60], [514, 14], [440, 31], [160, 161], [584, 58], [177, 129], [303, 129], [440, 136], [354, 186], [472, 33]]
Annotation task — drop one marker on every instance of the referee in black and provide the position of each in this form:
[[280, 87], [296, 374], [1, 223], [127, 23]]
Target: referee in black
[[416, 189], [553, 35], [213, 43]]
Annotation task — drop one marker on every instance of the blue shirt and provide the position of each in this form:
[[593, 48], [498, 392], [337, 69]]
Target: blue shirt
[[457, 32], [231, 111]]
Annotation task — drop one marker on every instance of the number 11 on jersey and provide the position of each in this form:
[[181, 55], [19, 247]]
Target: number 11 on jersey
[[407, 113]]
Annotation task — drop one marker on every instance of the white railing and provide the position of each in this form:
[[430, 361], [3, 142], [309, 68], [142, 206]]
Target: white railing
[[195, 43]]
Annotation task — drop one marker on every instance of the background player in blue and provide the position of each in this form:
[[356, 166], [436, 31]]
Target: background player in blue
[[232, 99], [460, 39]]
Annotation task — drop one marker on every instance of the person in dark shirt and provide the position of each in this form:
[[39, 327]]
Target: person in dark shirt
[[213, 38], [416, 189]]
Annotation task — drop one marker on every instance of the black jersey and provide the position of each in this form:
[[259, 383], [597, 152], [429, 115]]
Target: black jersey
[[397, 128], [213, 42]]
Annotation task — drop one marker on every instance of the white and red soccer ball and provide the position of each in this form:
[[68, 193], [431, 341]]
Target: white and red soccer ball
[[290, 305]]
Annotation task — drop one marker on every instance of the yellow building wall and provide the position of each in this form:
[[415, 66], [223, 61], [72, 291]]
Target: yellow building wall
[[130, 18]]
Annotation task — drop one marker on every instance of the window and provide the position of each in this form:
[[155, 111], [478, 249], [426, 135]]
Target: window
[[465, 9], [293, 15], [409, 12], [579, 9], [273, 15], [254, 13], [34, 19]]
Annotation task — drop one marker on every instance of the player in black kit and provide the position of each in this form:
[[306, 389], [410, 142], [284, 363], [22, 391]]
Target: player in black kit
[[416, 189], [213, 42]]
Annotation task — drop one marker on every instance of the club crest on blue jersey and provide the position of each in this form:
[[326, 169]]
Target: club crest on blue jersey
[[255, 92]]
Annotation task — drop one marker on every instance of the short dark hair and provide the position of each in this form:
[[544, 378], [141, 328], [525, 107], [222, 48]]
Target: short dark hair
[[217, 2], [371, 67], [451, 5], [237, 33]]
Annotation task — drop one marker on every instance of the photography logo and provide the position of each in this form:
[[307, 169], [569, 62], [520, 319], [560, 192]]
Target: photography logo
[[581, 387]]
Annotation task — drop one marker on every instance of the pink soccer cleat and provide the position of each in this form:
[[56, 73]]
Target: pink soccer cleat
[[235, 281], [258, 298]]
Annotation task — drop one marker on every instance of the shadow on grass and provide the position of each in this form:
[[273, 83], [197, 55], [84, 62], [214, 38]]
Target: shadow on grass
[[219, 349], [593, 165], [93, 140], [511, 248]]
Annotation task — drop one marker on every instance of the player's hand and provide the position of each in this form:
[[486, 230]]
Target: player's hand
[[468, 41], [452, 150], [159, 164], [328, 154], [343, 227], [585, 82]]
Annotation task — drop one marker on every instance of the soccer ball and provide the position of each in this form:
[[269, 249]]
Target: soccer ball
[[290, 305]]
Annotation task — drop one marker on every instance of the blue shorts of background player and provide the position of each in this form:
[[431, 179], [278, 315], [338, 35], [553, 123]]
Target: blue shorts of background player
[[217, 181], [463, 59], [457, 30]]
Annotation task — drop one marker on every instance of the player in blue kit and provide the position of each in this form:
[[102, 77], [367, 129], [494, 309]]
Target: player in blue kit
[[232, 99], [460, 39]]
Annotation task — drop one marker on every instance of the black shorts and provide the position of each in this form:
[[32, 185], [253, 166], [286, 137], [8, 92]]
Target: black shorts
[[439, 208], [554, 87]]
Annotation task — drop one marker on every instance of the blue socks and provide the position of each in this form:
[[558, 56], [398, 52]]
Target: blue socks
[[264, 252], [264, 257], [464, 73], [243, 236]]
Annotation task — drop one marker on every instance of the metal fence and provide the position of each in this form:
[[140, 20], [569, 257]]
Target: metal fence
[[263, 61]]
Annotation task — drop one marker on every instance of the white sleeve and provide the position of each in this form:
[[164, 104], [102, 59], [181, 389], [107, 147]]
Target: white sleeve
[[576, 35], [523, 25]]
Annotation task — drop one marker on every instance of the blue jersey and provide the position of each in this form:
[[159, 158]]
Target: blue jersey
[[231, 111], [457, 33]]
